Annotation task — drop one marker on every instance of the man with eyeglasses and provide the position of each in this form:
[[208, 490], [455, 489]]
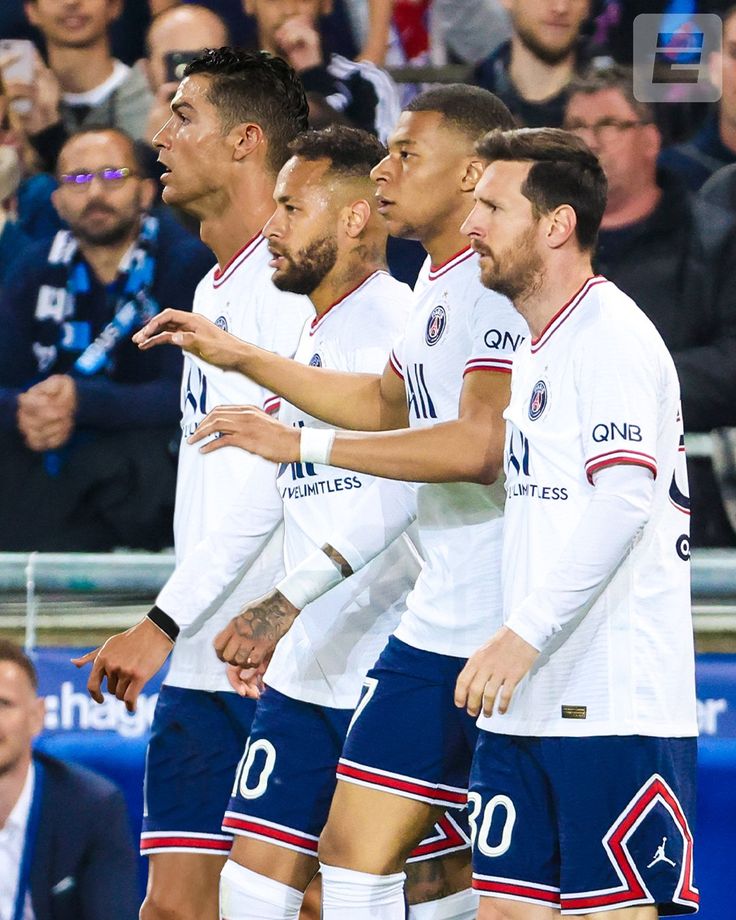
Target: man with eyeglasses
[[86, 424], [665, 251]]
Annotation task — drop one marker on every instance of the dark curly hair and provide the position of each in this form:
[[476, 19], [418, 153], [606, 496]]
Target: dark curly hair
[[468, 109], [255, 86], [351, 151]]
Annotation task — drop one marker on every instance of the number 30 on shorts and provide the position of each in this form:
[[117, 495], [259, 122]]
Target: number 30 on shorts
[[251, 787], [480, 836]]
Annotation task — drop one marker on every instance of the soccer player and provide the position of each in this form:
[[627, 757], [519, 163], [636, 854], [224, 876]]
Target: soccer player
[[232, 119], [407, 755], [327, 241], [582, 788]]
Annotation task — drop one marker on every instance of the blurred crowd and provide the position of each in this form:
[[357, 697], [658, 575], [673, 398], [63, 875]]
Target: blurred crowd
[[88, 251]]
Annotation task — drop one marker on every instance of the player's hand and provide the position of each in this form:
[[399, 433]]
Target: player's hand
[[250, 638], [493, 673], [128, 661], [251, 429], [194, 333], [247, 682], [300, 43]]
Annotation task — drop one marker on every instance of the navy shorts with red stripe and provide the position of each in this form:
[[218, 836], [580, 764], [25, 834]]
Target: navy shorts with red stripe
[[585, 824], [408, 737], [197, 739], [286, 779]]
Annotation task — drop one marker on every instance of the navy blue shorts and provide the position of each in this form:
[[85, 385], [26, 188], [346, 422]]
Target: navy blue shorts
[[408, 737], [286, 779], [585, 824], [197, 739]]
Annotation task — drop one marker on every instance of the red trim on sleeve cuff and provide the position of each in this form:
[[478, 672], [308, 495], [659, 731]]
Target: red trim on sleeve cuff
[[395, 366], [593, 466]]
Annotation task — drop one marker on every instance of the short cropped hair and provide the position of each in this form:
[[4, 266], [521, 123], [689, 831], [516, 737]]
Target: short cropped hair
[[564, 171], [9, 651], [352, 152], [469, 109], [612, 76], [255, 86]]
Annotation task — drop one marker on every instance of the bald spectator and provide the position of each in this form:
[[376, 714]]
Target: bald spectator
[[660, 247], [175, 36], [86, 419], [714, 145], [532, 70], [84, 85]]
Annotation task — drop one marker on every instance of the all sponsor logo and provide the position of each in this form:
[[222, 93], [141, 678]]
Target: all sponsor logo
[[221, 321], [315, 361]]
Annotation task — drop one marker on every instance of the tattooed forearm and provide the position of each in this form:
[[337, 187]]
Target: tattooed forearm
[[340, 561], [266, 621]]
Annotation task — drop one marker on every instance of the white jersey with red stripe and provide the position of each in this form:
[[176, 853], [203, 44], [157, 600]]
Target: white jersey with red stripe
[[325, 655], [599, 388], [242, 300], [457, 327]]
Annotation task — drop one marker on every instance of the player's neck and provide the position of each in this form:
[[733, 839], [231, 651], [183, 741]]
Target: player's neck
[[11, 786], [559, 283], [80, 70], [228, 226], [345, 277], [445, 245]]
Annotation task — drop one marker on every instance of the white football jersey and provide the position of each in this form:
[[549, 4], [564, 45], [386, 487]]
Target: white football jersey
[[598, 388], [456, 327], [337, 638], [241, 299]]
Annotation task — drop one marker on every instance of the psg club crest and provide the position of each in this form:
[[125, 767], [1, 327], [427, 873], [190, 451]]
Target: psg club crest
[[538, 402], [221, 321], [315, 361], [436, 325]]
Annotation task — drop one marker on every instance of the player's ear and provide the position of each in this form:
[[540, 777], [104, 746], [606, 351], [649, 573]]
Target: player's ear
[[473, 171], [561, 225], [246, 138], [356, 216]]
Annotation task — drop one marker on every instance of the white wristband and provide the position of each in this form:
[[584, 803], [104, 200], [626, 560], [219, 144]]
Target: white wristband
[[310, 579], [315, 445]]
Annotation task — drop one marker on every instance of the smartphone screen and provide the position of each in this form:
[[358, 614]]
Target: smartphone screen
[[17, 56]]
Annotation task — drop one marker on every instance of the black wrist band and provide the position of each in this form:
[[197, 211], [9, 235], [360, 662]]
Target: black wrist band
[[164, 622]]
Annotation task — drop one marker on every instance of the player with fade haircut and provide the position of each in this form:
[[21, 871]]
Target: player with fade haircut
[[407, 755], [583, 782], [232, 119]]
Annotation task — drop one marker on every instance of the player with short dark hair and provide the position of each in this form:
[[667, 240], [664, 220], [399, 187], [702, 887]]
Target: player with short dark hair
[[444, 388], [232, 118], [583, 782]]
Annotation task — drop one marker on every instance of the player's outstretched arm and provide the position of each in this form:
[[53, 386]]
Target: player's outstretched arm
[[467, 449], [357, 401]]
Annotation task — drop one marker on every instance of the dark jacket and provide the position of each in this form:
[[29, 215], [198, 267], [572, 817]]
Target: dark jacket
[[682, 273], [84, 863], [697, 159], [142, 389]]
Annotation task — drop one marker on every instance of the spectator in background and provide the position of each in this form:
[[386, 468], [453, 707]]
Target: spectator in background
[[86, 418], [714, 145], [338, 89], [65, 847], [84, 85], [531, 72], [188, 28], [657, 245], [26, 212]]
